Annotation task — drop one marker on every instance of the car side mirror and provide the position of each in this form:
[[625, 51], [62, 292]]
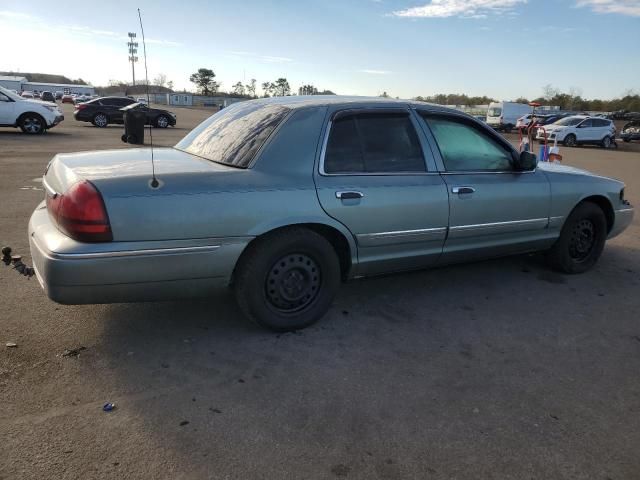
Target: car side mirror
[[525, 161]]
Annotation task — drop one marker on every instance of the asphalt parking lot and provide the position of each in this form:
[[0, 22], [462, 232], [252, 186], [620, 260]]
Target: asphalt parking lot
[[496, 370]]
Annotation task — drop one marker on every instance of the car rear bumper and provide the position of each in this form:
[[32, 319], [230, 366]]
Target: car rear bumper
[[71, 272], [630, 136], [623, 218]]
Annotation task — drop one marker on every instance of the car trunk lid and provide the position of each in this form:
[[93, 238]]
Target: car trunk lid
[[102, 166]]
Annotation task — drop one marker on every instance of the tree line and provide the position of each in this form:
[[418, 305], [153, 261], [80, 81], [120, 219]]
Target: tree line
[[205, 81], [571, 100]]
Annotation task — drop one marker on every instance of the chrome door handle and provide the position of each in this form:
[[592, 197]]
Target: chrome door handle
[[462, 190], [349, 195]]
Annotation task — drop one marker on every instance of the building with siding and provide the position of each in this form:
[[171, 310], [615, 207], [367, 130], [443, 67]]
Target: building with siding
[[21, 84]]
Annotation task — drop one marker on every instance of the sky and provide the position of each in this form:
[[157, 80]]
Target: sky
[[500, 48]]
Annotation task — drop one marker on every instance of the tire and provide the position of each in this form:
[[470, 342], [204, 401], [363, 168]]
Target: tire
[[287, 280], [32, 124], [581, 241], [162, 121], [626, 140], [100, 120], [606, 142], [570, 140]]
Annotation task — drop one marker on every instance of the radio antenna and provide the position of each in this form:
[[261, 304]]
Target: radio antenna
[[154, 181]]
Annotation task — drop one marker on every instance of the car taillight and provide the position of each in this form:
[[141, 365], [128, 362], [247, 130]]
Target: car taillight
[[80, 106], [80, 213]]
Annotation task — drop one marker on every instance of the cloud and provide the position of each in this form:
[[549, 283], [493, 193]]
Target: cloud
[[272, 59], [622, 7], [374, 72], [459, 8], [167, 43], [8, 14]]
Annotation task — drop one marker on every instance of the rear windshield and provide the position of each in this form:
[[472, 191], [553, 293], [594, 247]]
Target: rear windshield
[[495, 112], [234, 135]]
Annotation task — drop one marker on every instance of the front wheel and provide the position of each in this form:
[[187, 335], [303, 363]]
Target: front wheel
[[162, 121], [32, 123], [581, 241], [287, 280], [606, 142]]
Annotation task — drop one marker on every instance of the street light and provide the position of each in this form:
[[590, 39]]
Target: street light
[[133, 49]]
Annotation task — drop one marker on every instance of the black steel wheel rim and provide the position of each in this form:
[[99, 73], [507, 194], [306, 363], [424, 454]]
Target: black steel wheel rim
[[293, 283], [583, 239]]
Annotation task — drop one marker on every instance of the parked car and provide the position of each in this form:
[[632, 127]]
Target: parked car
[[47, 97], [141, 100], [631, 131], [26, 94], [580, 130], [504, 115], [523, 121], [283, 198], [105, 110], [67, 98], [59, 95], [36, 94], [81, 98], [31, 116]]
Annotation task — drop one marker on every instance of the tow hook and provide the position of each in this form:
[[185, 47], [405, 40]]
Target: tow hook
[[16, 260]]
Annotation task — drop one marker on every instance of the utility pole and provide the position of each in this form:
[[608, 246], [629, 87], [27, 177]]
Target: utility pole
[[133, 49]]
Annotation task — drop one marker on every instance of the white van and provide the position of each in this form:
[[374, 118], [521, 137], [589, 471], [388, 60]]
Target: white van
[[504, 115]]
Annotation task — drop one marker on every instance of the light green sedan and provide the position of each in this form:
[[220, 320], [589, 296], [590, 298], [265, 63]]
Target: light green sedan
[[283, 199]]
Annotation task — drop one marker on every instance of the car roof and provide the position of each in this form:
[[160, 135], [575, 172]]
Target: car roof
[[301, 101]]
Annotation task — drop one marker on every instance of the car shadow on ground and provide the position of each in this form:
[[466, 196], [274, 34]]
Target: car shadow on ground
[[475, 356]]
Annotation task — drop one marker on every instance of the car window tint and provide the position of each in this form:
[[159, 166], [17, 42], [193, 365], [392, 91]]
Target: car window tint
[[587, 123], [465, 148], [235, 134], [598, 122], [344, 153], [373, 143]]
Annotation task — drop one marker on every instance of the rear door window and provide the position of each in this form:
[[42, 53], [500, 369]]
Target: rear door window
[[373, 142]]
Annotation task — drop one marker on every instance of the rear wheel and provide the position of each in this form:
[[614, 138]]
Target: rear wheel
[[581, 241], [570, 140], [288, 279], [100, 120], [32, 123]]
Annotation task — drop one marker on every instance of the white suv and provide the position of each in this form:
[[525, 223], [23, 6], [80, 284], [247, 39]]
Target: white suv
[[580, 130], [32, 116]]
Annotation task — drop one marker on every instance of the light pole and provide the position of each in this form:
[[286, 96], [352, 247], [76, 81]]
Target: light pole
[[133, 49]]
